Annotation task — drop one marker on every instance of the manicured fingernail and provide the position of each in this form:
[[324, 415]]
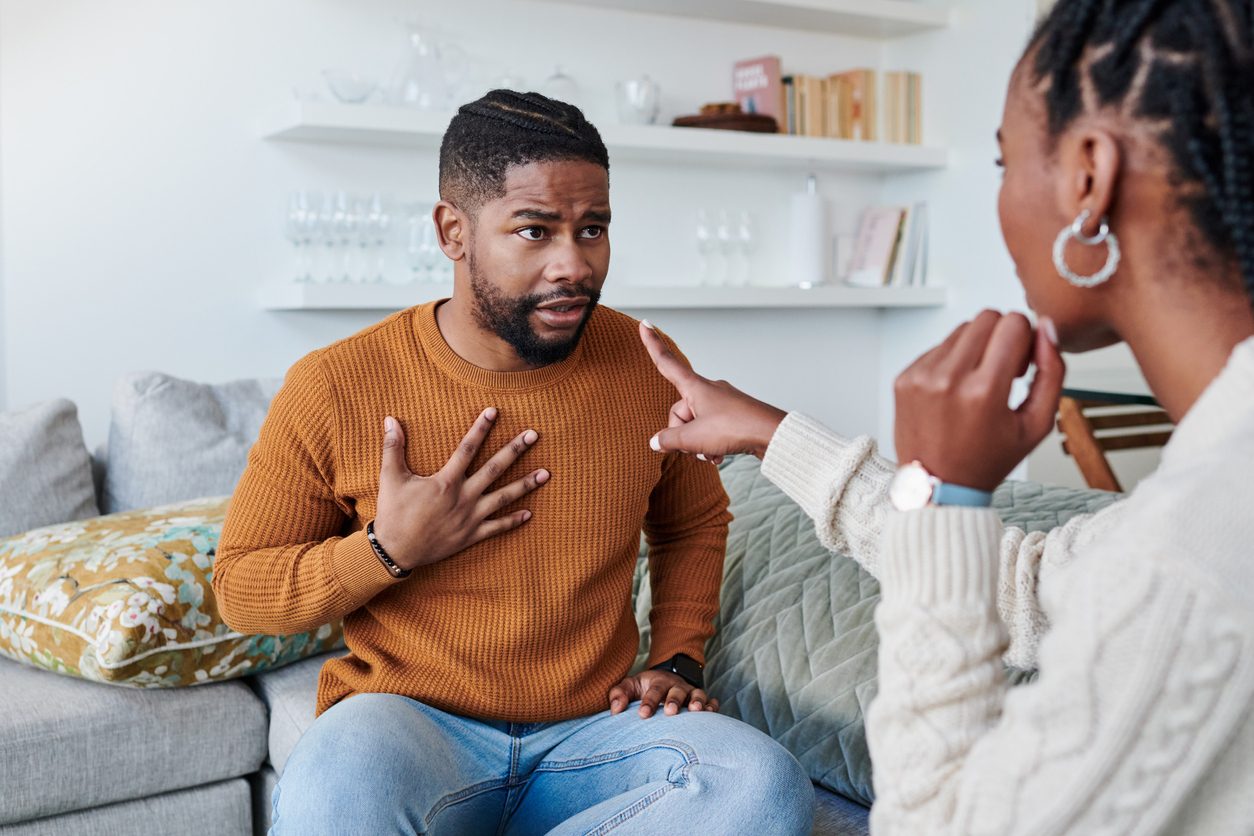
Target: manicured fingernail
[[526, 515], [1051, 330], [530, 436], [389, 424], [655, 444], [702, 457], [647, 324], [542, 476], [490, 413], [696, 705]]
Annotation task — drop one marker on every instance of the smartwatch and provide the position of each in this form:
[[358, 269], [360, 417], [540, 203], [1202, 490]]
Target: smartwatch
[[913, 487], [686, 668]]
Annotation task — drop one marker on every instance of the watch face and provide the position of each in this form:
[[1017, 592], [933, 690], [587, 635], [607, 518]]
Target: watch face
[[911, 488]]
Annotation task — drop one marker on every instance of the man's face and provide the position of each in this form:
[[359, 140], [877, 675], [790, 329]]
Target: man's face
[[538, 256]]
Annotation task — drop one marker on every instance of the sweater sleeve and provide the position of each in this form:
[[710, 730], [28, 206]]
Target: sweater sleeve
[[842, 484], [284, 564], [1146, 674], [686, 529]]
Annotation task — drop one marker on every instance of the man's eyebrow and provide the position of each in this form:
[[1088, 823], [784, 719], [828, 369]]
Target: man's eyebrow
[[597, 215], [536, 215]]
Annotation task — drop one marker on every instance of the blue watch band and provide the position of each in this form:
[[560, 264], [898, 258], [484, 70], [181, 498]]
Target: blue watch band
[[946, 494]]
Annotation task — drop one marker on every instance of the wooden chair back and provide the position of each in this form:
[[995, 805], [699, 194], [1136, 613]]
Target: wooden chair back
[[1091, 428]]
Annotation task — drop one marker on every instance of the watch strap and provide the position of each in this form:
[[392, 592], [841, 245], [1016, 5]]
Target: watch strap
[[947, 494], [685, 667]]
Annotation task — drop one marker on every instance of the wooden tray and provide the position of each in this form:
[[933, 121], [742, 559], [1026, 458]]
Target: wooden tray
[[753, 122]]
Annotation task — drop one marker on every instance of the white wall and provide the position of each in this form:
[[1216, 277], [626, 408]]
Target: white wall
[[140, 211]]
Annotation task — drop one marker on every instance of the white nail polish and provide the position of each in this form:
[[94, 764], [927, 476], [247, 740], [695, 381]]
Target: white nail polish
[[647, 324], [1051, 330], [655, 444], [702, 457]]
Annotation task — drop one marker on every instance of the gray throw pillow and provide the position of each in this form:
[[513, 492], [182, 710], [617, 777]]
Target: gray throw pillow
[[45, 470], [796, 653], [172, 440]]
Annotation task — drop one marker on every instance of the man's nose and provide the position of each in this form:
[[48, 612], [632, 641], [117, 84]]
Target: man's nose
[[568, 262]]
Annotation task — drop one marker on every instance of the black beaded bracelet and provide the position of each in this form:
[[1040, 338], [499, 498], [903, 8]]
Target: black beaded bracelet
[[396, 571]]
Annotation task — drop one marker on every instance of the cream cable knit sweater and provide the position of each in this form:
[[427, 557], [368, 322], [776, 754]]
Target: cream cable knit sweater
[[1140, 721]]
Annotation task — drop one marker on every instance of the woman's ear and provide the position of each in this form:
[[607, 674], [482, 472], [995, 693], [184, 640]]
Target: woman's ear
[[1091, 162], [452, 226]]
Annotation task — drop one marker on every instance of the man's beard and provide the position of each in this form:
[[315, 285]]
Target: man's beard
[[509, 317]]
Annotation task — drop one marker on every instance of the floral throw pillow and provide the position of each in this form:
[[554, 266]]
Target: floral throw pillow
[[126, 599]]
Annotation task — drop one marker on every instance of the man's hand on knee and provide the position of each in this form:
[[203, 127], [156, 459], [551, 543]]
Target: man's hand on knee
[[659, 688], [424, 519]]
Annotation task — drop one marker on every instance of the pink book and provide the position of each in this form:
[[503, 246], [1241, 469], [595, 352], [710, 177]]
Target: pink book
[[876, 247], [758, 86]]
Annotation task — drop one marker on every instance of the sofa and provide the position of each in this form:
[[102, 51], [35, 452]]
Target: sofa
[[134, 751]]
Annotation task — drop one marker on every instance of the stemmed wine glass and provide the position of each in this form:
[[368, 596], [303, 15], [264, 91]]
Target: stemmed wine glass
[[728, 244], [747, 236], [379, 222], [706, 245], [299, 225], [422, 249], [344, 224]]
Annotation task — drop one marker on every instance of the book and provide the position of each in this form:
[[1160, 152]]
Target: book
[[903, 108], [878, 238], [910, 259], [788, 125], [857, 104], [758, 87], [811, 105]]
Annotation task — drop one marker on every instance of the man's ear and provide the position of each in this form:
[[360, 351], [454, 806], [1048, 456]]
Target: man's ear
[[1091, 162], [453, 227]]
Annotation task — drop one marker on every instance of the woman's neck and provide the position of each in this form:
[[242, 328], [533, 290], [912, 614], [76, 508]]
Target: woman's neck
[[1182, 334]]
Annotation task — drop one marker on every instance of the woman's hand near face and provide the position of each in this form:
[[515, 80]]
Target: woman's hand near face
[[712, 418], [953, 412]]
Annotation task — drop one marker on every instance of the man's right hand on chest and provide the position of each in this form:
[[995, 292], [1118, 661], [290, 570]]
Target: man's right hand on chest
[[424, 519]]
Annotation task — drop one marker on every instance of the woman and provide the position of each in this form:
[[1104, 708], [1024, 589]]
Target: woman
[[1129, 126]]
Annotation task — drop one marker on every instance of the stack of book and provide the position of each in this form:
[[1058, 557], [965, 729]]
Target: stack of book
[[842, 106], [891, 247]]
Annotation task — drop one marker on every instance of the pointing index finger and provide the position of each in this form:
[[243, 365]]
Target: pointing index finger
[[668, 364]]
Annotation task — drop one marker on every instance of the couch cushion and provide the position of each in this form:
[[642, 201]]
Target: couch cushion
[[172, 439], [795, 652], [45, 470], [126, 598], [66, 744], [220, 809], [291, 694]]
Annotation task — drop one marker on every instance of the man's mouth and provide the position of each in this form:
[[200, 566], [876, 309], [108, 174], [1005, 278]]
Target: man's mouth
[[562, 313]]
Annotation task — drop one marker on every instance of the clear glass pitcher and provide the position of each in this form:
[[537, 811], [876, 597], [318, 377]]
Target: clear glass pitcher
[[430, 72]]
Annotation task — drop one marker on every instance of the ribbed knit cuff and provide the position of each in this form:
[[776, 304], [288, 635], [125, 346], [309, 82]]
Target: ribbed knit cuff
[[807, 461], [359, 571], [945, 554]]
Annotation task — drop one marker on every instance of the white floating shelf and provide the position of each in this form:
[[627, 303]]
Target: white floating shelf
[[388, 297], [381, 125], [864, 18]]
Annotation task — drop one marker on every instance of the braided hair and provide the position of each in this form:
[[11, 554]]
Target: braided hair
[[506, 128], [1184, 69]]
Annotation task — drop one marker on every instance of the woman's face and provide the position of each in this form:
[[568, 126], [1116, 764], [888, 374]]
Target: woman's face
[[1030, 208]]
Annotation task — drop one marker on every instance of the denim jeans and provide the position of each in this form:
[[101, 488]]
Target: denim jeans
[[384, 764]]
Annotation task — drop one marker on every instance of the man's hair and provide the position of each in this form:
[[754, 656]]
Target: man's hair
[[506, 128], [1184, 69]]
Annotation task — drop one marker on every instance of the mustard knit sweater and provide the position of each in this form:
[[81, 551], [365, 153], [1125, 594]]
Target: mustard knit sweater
[[530, 626]]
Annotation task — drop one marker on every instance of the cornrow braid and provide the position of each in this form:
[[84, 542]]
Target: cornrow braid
[[507, 128], [1184, 69]]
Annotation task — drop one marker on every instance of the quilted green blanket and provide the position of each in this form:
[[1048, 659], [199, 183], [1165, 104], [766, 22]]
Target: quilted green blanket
[[795, 650]]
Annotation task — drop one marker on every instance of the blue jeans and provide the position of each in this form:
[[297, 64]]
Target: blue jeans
[[384, 764]]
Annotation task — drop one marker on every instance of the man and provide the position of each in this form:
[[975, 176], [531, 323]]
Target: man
[[486, 596]]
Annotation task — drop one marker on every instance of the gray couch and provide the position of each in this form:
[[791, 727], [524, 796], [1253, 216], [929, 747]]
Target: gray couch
[[794, 655]]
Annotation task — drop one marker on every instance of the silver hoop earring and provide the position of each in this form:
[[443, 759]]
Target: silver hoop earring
[[1076, 231]]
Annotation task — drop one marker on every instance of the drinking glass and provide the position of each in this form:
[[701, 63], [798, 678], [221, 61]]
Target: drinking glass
[[747, 236], [300, 206], [379, 222], [323, 268], [638, 101], [344, 224], [728, 245], [706, 246], [422, 248]]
